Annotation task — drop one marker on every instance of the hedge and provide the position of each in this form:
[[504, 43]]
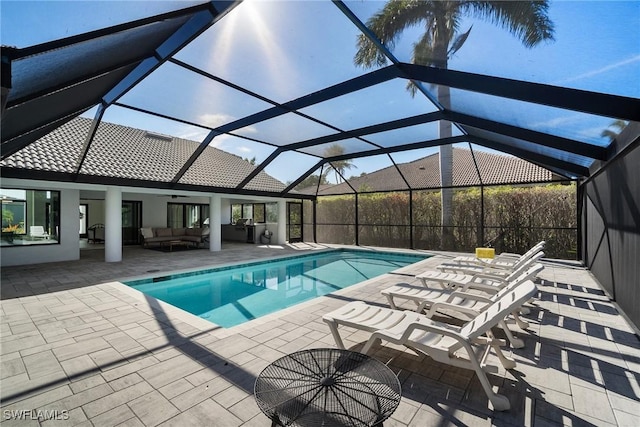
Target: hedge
[[515, 218]]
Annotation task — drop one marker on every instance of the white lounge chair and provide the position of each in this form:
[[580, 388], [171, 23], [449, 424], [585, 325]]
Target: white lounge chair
[[497, 266], [466, 347], [485, 281], [37, 232], [470, 304], [504, 260]]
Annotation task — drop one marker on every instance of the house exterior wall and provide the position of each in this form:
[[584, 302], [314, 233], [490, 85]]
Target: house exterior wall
[[225, 211], [95, 211], [611, 230], [154, 214], [154, 209]]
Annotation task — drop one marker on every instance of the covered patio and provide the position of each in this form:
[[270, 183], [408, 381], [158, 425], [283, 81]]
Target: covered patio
[[76, 342]]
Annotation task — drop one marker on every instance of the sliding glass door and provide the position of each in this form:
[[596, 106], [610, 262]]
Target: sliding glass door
[[131, 222], [294, 222]]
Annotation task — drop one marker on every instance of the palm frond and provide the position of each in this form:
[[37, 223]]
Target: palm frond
[[614, 129], [387, 25], [608, 133], [458, 42], [423, 53], [368, 55], [526, 20]]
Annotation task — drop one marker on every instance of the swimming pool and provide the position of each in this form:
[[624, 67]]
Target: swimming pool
[[229, 296]]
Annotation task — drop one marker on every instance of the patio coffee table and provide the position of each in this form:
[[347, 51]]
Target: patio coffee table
[[327, 387], [172, 243]]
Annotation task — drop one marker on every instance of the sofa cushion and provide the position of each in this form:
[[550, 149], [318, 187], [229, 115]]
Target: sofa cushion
[[162, 232], [147, 232], [179, 231], [194, 232]]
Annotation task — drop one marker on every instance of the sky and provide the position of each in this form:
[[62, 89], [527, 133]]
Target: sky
[[285, 49]]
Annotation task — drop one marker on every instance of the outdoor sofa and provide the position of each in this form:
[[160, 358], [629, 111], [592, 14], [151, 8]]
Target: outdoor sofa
[[155, 236]]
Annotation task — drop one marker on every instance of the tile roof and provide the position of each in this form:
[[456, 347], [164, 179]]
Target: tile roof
[[124, 152], [425, 173]]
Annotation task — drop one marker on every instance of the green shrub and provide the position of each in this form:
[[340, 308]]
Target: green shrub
[[515, 218]]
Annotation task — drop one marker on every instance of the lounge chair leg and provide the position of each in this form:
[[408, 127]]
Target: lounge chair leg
[[504, 360], [521, 323], [391, 303], [498, 401], [336, 335], [370, 342], [515, 342]]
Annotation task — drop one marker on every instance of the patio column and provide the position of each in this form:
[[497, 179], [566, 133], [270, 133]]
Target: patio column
[[282, 222], [113, 225], [215, 224]]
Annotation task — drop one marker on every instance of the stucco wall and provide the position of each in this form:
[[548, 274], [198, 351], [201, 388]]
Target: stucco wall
[[154, 214]]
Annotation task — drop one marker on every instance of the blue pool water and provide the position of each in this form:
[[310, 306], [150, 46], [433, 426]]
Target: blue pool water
[[232, 295]]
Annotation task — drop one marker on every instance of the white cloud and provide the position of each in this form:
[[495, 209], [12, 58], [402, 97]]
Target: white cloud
[[220, 140], [215, 120], [555, 122], [192, 133], [600, 70], [249, 129]]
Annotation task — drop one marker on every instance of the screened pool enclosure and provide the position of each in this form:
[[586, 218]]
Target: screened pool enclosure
[[352, 105]]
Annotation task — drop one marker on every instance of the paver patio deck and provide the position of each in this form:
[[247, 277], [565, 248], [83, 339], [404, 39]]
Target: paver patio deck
[[79, 346]]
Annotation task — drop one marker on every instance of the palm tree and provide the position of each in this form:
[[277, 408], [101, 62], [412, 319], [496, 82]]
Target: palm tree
[[526, 20], [337, 166], [311, 181]]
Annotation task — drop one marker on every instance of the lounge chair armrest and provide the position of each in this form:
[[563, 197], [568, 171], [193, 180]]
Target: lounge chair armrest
[[499, 268], [492, 265], [489, 276], [446, 306], [439, 328], [464, 267], [468, 295], [490, 288], [508, 255], [482, 262], [443, 285], [474, 269]]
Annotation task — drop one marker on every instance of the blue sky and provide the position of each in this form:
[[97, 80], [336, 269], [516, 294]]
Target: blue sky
[[285, 49]]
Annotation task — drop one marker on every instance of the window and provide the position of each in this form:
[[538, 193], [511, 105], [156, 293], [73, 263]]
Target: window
[[272, 212], [30, 217], [254, 211], [259, 213], [236, 213], [187, 215]]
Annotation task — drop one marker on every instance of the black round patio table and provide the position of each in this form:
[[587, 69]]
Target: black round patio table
[[327, 387]]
